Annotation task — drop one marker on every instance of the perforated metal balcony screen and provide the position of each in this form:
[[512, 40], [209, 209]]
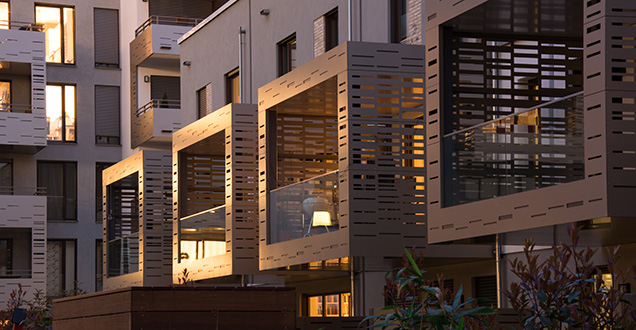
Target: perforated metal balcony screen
[[106, 37], [190, 8], [107, 111]]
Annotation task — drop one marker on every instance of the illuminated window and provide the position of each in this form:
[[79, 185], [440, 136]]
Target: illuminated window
[[4, 15], [59, 29], [5, 94], [60, 112], [331, 305], [233, 87]]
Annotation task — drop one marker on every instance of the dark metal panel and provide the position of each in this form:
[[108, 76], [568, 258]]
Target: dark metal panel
[[106, 25]]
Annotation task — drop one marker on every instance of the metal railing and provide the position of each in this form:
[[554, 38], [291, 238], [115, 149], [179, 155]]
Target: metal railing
[[159, 104], [25, 191], [15, 273], [15, 25], [167, 20], [18, 108]]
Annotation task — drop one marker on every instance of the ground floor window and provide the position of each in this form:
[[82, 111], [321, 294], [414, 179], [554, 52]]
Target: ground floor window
[[330, 305]]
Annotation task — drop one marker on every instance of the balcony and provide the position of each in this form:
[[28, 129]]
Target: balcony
[[531, 149], [304, 209], [137, 216], [153, 124], [22, 83], [215, 185], [22, 239], [156, 41]]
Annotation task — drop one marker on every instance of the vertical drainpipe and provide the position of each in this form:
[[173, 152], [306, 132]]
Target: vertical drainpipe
[[240, 66], [498, 270], [349, 20]]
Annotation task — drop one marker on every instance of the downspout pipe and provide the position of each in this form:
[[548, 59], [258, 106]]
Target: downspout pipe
[[498, 269], [240, 66], [349, 20]]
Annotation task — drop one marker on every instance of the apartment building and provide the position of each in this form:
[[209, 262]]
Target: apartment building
[[59, 118], [341, 140], [530, 123]]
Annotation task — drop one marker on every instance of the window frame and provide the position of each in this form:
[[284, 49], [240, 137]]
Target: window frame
[[63, 110], [324, 303], [284, 48], [10, 162], [101, 65], [99, 205], [62, 38], [229, 90], [395, 20], [64, 210], [332, 29], [203, 90]]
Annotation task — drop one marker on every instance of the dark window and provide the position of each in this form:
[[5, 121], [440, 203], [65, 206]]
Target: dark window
[[99, 265], [61, 267], [6, 175], [106, 30], [183, 9], [486, 288], [107, 114], [398, 20], [287, 55], [60, 181], [331, 29], [15, 252], [99, 167], [232, 87], [204, 101]]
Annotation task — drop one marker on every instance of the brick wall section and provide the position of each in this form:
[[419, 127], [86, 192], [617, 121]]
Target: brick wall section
[[319, 36], [414, 22]]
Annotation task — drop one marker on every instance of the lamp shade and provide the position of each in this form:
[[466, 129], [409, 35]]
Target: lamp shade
[[321, 218]]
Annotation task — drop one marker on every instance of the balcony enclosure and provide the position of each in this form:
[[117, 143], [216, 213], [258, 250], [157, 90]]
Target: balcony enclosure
[[22, 236], [23, 120], [305, 200], [342, 157], [215, 173], [202, 217], [123, 226], [522, 131], [137, 216]]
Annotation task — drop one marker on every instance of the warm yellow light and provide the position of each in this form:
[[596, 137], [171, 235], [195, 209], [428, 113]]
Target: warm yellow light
[[321, 218]]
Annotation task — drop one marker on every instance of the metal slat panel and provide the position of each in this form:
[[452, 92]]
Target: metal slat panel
[[107, 111], [106, 37]]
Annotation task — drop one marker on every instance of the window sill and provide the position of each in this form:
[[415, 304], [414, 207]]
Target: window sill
[[62, 65], [112, 68], [55, 142], [61, 221]]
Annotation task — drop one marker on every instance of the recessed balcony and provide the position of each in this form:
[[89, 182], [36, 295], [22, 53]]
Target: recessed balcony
[[22, 239], [153, 124], [23, 122]]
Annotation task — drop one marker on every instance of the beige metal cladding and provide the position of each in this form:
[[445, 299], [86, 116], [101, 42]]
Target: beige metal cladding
[[26, 126], [145, 180], [215, 170], [595, 184], [357, 109]]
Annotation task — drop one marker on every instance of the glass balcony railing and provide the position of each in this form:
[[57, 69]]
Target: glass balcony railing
[[123, 255], [202, 235], [24, 191], [159, 104], [16, 108], [530, 149], [304, 209], [15, 25]]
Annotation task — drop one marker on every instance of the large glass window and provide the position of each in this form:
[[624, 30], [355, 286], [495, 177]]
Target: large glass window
[[61, 267], [60, 112], [59, 29], [287, 55], [330, 305], [4, 15], [122, 226], [60, 181], [233, 87]]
